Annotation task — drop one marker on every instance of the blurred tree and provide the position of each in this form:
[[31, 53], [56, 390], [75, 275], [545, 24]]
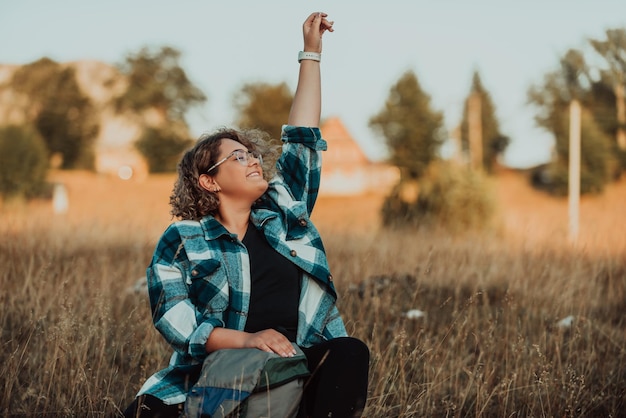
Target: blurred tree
[[602, 106], [450, 197], [23, 161], [494, 143], [613, 50], [597, 160], [552, 98], [67, 122], [156, 80], [559, 88], [429, 193], [62, 114], [412, 129], [34, 80], [162, 148], [263, 106]]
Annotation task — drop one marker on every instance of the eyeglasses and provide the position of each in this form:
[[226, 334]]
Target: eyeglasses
[[242, 157]]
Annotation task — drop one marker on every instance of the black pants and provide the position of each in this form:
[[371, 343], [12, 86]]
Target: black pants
[[147, 406], [337, 387]]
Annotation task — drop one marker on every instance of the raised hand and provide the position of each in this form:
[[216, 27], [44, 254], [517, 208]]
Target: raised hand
[[313, 29]]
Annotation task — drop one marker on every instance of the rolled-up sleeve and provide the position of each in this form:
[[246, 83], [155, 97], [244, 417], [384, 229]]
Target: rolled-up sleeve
[[300, 163], [173, 314]]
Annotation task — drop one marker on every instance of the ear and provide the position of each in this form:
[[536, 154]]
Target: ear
[[208, 183]]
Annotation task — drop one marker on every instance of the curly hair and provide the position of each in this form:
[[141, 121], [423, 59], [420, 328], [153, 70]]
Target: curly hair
[[189, 201]]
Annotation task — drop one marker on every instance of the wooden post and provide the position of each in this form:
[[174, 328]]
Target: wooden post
[[574, 169], [60, 201], [475, 131]]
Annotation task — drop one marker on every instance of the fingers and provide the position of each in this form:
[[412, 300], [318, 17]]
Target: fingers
[[326, 25], [316, 15], [272, 341], [318, 20]]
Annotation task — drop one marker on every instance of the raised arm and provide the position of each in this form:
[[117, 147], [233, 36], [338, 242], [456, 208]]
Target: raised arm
[[306, 106]]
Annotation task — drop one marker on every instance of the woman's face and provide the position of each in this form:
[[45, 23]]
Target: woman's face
[[237, 180]]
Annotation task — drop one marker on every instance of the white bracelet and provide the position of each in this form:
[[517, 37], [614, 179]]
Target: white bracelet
[[306, 55]]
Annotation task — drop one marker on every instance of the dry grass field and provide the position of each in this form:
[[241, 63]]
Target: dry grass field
[[77, 340]]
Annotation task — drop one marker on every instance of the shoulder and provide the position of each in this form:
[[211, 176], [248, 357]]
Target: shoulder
[[177, 235], [185, 228], [181, 230]]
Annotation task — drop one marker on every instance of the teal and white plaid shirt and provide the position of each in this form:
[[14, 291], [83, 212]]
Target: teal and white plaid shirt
[[199, 277]]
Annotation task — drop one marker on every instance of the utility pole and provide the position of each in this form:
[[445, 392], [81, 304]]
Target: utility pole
[[574, 169], [475, 131]]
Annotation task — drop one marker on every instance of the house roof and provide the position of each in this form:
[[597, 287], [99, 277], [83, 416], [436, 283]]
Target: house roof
[[343, 150]]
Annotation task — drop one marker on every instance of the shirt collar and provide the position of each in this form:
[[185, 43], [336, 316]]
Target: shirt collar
[[213, 229]]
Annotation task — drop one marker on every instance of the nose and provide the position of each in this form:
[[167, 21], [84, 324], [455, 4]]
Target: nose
[[253, 159]]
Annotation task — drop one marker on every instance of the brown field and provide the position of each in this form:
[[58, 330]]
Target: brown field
[[78, 341]]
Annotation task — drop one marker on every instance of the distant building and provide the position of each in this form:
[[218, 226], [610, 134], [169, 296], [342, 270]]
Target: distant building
[[346, 170]]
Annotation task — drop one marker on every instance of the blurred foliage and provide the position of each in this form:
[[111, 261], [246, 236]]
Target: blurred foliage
[[494, 142], [263, 106], [23, 162], [156, 80], [613, 51], [62, 114], [596, 87], [412, 129], [597, 161], [447, 196], [162, 148]]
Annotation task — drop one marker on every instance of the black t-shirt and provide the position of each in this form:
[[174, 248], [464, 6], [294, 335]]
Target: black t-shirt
[[275, 287]]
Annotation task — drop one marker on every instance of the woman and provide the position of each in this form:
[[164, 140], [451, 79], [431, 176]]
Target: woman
[[245, 267]]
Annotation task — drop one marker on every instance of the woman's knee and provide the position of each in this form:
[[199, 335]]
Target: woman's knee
[[349, 347]]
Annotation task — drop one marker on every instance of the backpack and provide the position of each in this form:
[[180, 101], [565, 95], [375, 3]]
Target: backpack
[[248, 382]]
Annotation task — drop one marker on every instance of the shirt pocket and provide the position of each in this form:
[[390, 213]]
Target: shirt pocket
[[297, 221], [208, 289]]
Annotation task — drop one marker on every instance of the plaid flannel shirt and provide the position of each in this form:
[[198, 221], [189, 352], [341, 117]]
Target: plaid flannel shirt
[[199, 277]]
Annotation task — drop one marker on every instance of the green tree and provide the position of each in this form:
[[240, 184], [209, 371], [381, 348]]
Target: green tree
[[559, 88], [23, 161], [67, 122], [552, 98], [62, 114], [263, 106], [613, 76], [412, 129], [494, 142], [157, 81], [597, 162], [429, 193], [33, 80], [450, 197], [162, 148]]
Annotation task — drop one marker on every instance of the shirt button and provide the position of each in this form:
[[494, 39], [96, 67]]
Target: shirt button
[[330, 277], [293, 253], [302, 222], [194, 272]]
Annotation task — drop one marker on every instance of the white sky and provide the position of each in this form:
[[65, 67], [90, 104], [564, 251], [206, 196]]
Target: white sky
[[227, 43]]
